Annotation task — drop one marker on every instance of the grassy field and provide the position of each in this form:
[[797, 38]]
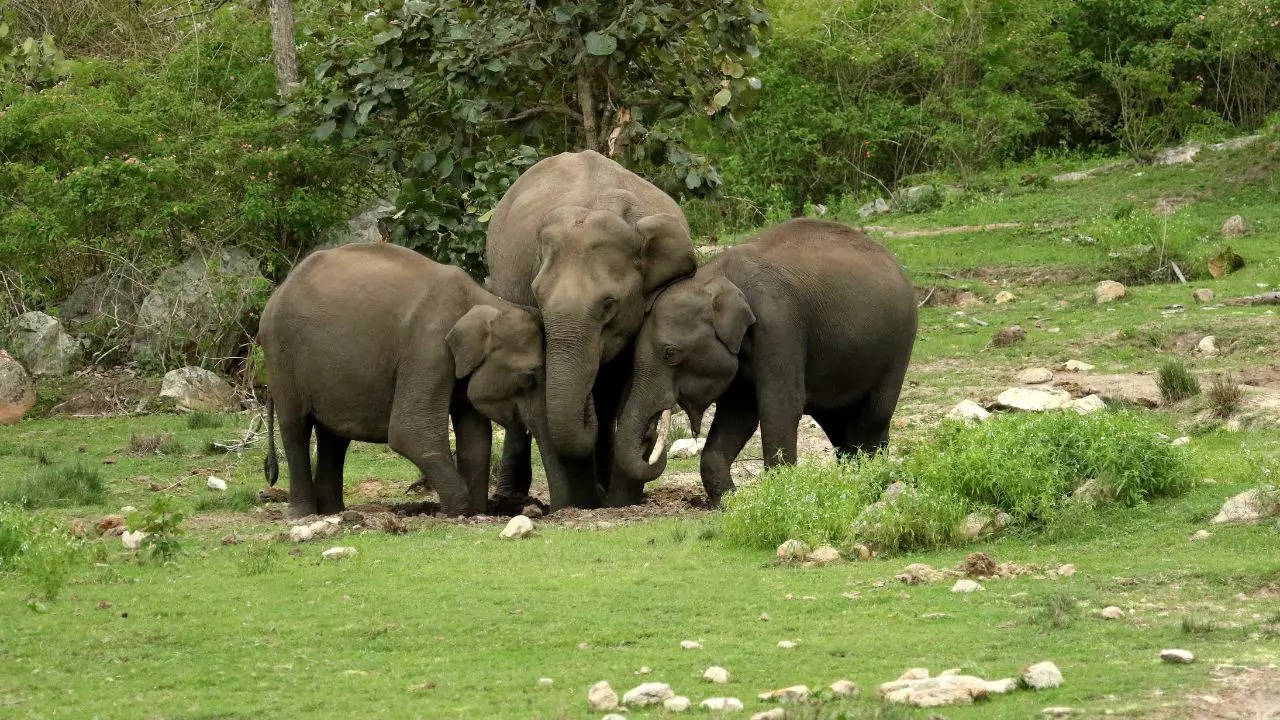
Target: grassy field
[[450, 621]]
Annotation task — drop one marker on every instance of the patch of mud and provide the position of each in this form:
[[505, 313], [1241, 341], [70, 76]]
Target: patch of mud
[[1134, 388], [1260, 376], [101, 393], [1029, 275], [1238, 693]]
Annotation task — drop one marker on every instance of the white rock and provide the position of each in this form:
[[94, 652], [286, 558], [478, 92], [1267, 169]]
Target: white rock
[[1234, 226], [1075, 366], [215, 483], [676, 704], [786, 645], [300, 533], [544, 682], [913, 674], [1179, 442], [41, 344], [1111, 612], [687, 447], [949, 671], [1199, 535], [1202, 296], [1066, 570], [716, 674], [650, 693], [128, 509], [644, 670], [844, 688], [973, 526], [875, 207], [1087, 405], [132, 539], [1001, 686], [1243, 508], [1207, 345], [1034, 399], [194, 388], [722, 704], [601, 697], [1035, 376], [935, 692], [339, 552], [518, 527], [794, 694], [334, 520], [1005, 296], [1176, 656], [793, 551], [1177, 155], [968, 410], [614, 716], [1042, 676], [690, 644], [774, 714], [320, 528], [965, 585], [1108, 291], [824, 554]]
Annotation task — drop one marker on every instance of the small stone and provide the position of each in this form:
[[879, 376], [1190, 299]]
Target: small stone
[[1001, 686], [1002, 520], [300, 533], [795, 694], [545, 682], [644, 670], [864, 551], [1199, 535], [338, 553], [614, 716], [214, 483], [716, 674], [1108, 291], [1111, 612], [1075, 366], [844, 688], [1177, 657], [601, 697], [764, 617], [1005, 296], [1087, 405], [1179, 442], [786, 645], [774, 714], [1234, 226], [1042, 676], [518, 527], [793, 551], [132, 539], [824, 554], [676, 704], [918, 574], [1202, 296], [194, 388], [1011, 335], [651, 693], [965, 585], [722, 704], [1066, 570], [973, 526], [1034, 399], [320, 529], [968, 410], [1035, 376], [690, 644]]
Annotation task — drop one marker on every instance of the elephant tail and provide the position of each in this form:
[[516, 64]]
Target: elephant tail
[[271, 465]]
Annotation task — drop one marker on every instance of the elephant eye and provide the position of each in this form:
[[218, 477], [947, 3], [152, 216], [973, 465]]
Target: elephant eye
[[607, 307], [527, 381], [671, 355]]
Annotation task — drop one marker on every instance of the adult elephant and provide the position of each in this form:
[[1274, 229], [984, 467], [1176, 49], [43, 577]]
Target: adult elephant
[[589, 243]]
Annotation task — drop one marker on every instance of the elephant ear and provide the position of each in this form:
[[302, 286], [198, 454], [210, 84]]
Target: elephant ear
[[471, 339], [668, 250], [730, 313]]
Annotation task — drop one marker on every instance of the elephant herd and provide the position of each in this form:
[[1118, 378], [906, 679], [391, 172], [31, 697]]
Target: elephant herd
[[595, 322]]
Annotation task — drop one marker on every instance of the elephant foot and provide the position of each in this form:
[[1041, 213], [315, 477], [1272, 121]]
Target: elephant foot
[[624, 494], [514, 504], [302, 509]]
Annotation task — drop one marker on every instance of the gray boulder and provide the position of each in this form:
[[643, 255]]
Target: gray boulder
[[196, 311], [193, 388], [875, 207], [105, 304], [41, 344], [17, 392], [364, 226], [919, 198]]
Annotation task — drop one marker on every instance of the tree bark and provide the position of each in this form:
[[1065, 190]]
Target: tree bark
[[282, 45], [586, 100]]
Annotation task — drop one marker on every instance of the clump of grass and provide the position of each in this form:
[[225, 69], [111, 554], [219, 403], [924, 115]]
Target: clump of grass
[[1025, 465], [1176, 382], [1198, 626], [1224, 396], [200, 420], [40, 549], [60, 486], [159, 444], [679, 533], [1057, 611], [259, 558], [237, 498], [38, 454]]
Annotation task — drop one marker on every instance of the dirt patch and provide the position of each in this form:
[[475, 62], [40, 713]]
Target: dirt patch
[[1136, 389], [1260, 376], [1029, 274], [100, 393], [938, 296], [1239, 693]]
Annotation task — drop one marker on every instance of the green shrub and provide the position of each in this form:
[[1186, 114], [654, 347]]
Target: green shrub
[[39, 548], [1026, 465], [1224, 396], [200, 420], [238, 498], [1176, 382], [162, 523], [59, 486]]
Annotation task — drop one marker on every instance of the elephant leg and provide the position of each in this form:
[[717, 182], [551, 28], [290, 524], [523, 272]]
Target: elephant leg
[[867, 422], [735, 421], [419, 430], [611, 384], [834, 425], [295, 435], [331, 454], [780, 396], [473, 435], [515, 472]]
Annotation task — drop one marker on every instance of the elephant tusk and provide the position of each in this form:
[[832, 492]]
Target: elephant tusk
[[660, 446]]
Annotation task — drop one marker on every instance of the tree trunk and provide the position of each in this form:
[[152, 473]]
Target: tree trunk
[[586, 101], [282, 45]]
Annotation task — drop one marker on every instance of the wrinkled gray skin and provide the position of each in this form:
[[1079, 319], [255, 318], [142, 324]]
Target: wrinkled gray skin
[[587, 242], [376, 343], [810, 317]]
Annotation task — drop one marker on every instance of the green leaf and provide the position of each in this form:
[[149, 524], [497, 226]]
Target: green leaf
[[446, 167], [362, 111], [485, 217], [323, 68], [600, 44], [722, 98], [325, 130]]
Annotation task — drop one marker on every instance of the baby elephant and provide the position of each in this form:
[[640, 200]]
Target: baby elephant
[[377, 343], [809, 317]]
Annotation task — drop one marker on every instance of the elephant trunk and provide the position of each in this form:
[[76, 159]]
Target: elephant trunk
[[573, 359], [640, 450]]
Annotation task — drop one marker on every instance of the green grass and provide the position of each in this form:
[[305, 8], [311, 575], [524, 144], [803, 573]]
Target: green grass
[[200, 420], [69, 485], [1176, 382]]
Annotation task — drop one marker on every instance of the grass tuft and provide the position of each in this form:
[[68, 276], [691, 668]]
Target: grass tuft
[[1224, 396], [38, 454], [159, 444], [1057, 611], [1176, 382], [237, 498], [200, 420], [1198, 626], [61, 486]]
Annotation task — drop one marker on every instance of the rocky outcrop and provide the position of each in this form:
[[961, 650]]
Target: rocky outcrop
[[193, 388], [17, 392], [41, 344]]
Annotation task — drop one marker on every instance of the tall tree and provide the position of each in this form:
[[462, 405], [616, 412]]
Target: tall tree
[[282, 45]]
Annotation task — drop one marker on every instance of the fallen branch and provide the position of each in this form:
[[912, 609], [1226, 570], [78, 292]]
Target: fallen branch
[[1267, 298], [926, 297], [252, 436]]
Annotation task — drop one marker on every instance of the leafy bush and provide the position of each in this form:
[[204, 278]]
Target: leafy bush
[[162, 523], [1025, 465], [58, 486], [1176, 382], [39, 548]]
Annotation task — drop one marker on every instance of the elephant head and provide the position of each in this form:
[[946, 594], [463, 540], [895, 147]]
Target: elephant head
[[499, 351], [597, 267], [686, 354]]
